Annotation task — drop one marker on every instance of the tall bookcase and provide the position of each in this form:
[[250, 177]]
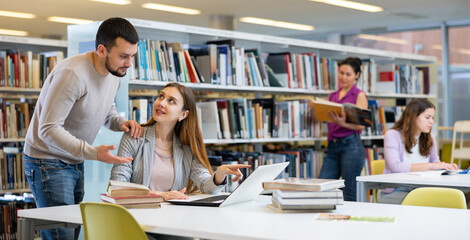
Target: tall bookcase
[[19, 95], [80, 35], [19, 100]]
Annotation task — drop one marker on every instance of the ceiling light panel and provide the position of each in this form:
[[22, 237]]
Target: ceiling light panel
[[273, 23], [352, 5], [169, 8], [115, 2], [68, 20], [16, 14], [13, 32]]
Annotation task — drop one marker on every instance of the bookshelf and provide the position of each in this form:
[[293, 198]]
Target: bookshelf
[[14, 97], [192, 35], [17, 97]]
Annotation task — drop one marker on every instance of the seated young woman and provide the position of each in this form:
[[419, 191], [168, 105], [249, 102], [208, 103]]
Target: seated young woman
[[409, 146], [170, 158]]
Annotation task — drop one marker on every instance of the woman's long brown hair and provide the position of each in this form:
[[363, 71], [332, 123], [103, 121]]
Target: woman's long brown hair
[[188, 130], [407, 126]]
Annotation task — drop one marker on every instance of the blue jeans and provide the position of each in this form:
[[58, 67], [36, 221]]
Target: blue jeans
[[345, 158], [54, 183]]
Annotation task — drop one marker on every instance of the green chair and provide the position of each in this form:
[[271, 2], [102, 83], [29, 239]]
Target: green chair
[[436, 197], [377, 167], [109, 221]]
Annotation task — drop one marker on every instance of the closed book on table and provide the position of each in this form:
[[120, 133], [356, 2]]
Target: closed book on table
[[307, 201], [308, 184], [122, 189], [317, 207], [152, 198], [334, 193]]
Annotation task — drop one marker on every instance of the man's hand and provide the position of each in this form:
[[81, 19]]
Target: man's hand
[[105, 156], [134, 127]]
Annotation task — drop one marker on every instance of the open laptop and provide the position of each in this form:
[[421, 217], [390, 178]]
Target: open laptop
[[248, 189]]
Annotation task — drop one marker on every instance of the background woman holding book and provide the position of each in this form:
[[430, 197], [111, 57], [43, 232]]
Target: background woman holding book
[[171, 157], [345, 155], [409, 146]]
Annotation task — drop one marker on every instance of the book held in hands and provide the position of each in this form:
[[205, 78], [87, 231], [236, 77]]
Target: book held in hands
[[354, 114]]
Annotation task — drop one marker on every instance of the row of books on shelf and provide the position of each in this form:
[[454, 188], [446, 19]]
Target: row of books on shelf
[[383, 118], [9, 224], [25, 69], [12, 176], [9, 205], [15, 117], [395, 78], [308, 194], [244, 119], [257, 118], [222, 63], [140, 109]]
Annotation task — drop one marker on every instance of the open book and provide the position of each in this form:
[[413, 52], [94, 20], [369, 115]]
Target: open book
[[354, 114], [127, 189]]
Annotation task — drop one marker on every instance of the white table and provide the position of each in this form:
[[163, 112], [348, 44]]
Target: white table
[[412, 180], [253, 220]]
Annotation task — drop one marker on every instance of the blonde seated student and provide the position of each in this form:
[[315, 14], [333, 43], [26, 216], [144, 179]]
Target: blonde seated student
[[409, 146], [171, 157]]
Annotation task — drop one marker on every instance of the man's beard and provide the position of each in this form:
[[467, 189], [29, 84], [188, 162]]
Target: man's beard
[[114, 72]]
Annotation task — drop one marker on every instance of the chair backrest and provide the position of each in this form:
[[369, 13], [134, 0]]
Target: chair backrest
[[460, 152], [378, 166], [109, 221], [436, 197]]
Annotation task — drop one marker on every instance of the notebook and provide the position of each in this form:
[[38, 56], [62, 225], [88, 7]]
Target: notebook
[[247, 191]]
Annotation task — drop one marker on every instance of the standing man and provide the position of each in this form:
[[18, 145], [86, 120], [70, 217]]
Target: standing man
[[76, 100]]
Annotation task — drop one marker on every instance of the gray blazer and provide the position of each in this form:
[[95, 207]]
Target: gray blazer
[[186, 165]]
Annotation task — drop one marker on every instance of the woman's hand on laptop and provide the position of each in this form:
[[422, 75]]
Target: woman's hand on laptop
[[172, 194], [229, 169]]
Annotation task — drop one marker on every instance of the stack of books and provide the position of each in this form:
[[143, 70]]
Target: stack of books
[[305, 194], [131, 195]]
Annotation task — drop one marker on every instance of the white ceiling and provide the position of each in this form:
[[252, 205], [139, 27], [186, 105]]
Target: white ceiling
[[326, 18]]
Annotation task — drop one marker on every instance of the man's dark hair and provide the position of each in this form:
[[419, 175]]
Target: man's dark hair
[[113, 28]]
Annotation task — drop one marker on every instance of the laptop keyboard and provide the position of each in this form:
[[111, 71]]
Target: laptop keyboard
[[212, 199]]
